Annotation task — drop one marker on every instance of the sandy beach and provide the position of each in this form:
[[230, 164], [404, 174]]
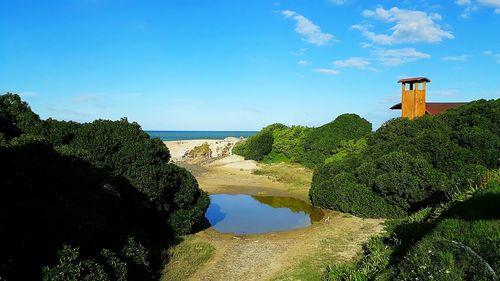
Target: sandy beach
[[232, 174], [178, 149]]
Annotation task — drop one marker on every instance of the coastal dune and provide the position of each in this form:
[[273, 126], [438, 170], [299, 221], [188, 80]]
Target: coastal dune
[[218, 148]]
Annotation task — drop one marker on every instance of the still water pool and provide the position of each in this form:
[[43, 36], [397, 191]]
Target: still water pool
[[247, 214]]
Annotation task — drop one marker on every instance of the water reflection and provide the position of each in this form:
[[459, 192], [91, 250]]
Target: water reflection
[[245, 214]]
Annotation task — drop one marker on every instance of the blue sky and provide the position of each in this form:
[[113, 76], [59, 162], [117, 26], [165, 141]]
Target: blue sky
[[240, 65]]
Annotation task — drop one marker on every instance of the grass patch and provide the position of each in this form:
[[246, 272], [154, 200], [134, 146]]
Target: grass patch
[[296, 176], [274, 158], [462, 243], [304, 271], [186, 258]]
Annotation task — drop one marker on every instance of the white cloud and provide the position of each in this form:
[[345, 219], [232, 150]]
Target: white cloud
[[410, 26], [473, 5], [355, 62], [327, 71], [365, 45], [494, 55], [352, 62], [491, 3], [455, 58], [303, 62], [310, 32], [394, 57]]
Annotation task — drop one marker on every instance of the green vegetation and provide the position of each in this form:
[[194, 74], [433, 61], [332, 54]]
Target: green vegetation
[[186, 258], [308, 146], [259, 146], [409, 165], [432, 174], [460, 241], [200, 151], [94, 201], [324, 141]]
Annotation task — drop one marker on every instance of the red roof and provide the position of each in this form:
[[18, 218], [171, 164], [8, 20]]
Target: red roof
[[414, 80], [435, 108]]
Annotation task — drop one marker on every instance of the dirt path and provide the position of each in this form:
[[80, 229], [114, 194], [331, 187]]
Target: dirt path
[[300, 254], [285, 255]]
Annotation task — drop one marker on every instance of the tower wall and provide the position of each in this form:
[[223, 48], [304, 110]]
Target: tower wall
[[413, 101]]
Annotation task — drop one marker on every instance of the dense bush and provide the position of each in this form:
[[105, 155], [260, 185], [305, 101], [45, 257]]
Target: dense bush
[[413, 164], [322, 142], [352, 197], [290, 142], [259, 146], [308, 146], [94, 201]]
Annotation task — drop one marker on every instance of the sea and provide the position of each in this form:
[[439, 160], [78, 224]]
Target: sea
[[198, 135]]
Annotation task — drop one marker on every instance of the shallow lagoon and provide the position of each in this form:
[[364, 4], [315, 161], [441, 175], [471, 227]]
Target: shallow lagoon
[[247, 214]]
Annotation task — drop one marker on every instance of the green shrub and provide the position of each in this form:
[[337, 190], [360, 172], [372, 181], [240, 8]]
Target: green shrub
[[104, 188], [418, 163], [407, 182], [73, 268], [322, 142], [275, 157], [393, 185], [290, 142], [257, 147], [344, 194], [347, 148], [308, 146]]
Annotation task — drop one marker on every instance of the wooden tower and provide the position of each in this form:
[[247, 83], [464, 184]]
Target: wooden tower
[[413, 97]]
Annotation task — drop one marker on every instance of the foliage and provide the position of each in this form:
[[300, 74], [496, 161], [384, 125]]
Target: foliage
[[308, 146], [462, 243], [346, 148], [413, 164], [344, 194], [323, 141], [259, 146], [103, 192], [72, 268], [290, 142], [200, 151], [275, 157]]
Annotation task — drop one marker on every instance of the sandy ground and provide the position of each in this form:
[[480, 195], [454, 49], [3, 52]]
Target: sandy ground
[[272, 256], [234, 175], [179, 148]]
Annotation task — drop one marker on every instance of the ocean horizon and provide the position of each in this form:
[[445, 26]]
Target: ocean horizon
[[198, 135]]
